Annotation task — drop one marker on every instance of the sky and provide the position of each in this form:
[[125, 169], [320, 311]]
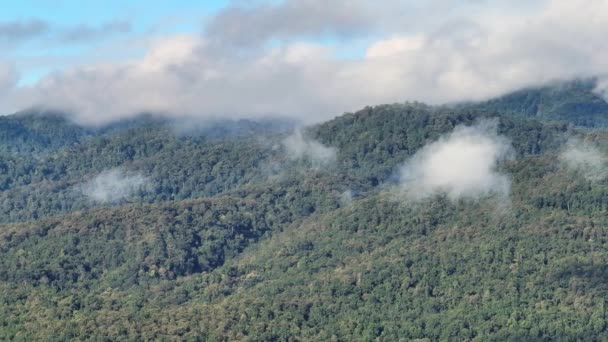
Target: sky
[[65, 33], [308, 60]]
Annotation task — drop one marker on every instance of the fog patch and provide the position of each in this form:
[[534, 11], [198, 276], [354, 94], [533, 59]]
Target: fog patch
[[346, 198], [299, 146], [601, 87], [461, 164], [585, 159], [114, 185]]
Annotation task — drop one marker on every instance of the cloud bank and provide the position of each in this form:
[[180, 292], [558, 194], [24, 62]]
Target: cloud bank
[[288, 58], [113, 185], [298, 146], [585, 159], [462, 164]]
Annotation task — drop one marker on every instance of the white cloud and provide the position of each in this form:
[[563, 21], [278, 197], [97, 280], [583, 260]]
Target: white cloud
[[484, 49], [395, 46], [299, 146], [113, 186], [462, 164], [585, 159]]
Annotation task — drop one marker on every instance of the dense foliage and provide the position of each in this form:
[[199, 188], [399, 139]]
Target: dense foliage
[[233, 238]]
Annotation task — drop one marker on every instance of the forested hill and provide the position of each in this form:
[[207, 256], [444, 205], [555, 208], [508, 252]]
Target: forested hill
[[30, 132], [577, 102], [152, 229]]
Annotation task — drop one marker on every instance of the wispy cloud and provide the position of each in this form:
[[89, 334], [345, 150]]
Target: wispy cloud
[[87, 32], [462, 164], [346, 198], [298, 146], [114, 185], [584, 158], [13, 31]]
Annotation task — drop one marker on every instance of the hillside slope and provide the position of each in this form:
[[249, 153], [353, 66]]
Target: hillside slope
[[231, 234]]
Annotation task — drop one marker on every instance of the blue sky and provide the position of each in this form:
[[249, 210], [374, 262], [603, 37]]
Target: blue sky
[[46, 53], [144, 18], [143, 13]]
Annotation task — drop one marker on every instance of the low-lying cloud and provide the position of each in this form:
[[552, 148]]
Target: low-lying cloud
[[114, 185], [299, 146], [462, 164], [585, 159]]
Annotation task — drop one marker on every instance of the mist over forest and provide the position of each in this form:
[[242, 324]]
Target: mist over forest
[[304, 170]]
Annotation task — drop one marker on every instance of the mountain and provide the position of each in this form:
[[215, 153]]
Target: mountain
[[576, 102], [152, 229], [35, 132]]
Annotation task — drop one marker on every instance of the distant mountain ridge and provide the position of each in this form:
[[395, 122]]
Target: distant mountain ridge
[[37, 132], [576, 102]]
